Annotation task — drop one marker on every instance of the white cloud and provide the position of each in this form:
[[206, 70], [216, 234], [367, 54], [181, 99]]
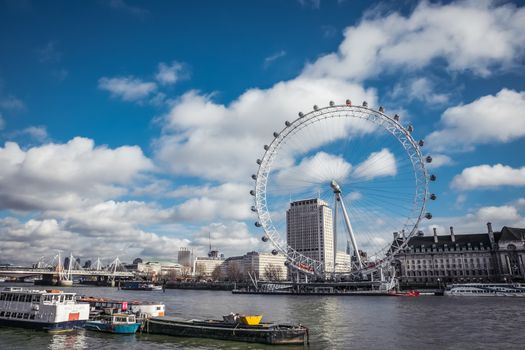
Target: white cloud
[[127, 88], [439, 160], [231, 238], [319, 168], [489, 119], [170, 74], [419, 89], [270, 59], [378, 164], [39, 133], [475, 222], [124, 6], [487, 176], [214, 141], [11, 102], [66, 175], [469, 35]]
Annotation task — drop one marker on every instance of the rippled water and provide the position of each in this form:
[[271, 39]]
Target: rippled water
[[335, 322]]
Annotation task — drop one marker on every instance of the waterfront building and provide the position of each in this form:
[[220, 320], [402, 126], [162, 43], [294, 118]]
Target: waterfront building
[[184, 257], [265, 266], [159, 269], [342, 261], [203, 266], [457, 258], [309, 230]]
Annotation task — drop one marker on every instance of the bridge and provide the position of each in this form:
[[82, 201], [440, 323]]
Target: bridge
[[16, 271]]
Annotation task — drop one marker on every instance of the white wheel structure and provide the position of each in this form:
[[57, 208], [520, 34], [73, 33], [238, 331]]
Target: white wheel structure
[[362, 164]]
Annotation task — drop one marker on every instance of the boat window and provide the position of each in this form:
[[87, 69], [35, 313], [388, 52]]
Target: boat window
[[7, 314], [69, 296], [2, 296], [36, 298], [26, 316], [158, 307], [31, 317], [2, 313], [20, 315]]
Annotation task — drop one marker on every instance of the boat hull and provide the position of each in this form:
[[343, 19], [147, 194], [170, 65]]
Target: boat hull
[[49, 327], [277, 334], [112, 328]]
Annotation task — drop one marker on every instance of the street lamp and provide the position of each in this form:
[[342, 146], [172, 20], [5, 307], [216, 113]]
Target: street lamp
[[439, 283]]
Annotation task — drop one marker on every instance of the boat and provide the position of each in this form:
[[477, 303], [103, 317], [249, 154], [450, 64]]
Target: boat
[[486, 290], [51, 310], [116, 323], [101, 306], [266, 333], [410, 293], [138, 285]]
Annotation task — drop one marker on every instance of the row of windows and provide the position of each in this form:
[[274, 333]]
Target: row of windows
[[21, 315], [34, 298], [449, 273]]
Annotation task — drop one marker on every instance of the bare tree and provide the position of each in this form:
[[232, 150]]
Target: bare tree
[[216, 274], [273, 272], [234, 272], [200, 270]]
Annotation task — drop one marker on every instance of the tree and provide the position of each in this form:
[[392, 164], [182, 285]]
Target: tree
[[273, 272], [216, 275], [200, 270], [234, 272]]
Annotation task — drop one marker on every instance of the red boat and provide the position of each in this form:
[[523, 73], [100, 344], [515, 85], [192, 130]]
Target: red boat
[[410, 293]]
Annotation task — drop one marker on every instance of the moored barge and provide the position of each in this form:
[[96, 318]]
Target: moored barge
[[266, 333]]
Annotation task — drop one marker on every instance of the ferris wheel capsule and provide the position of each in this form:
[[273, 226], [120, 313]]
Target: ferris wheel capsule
[[254, 176], [410, 128], [331, 103], [301, 114], [252, 192], [254, 209], [428, 159], [381, 109], [258, 161], [287, 123], [349, 103], [365, 104], [264, 239], [316, 107], [396, 117], [266, 147], [275, 252], [421, 143], [433, 177], [428, 216], [275, 134], [257, 224], [433, 196]]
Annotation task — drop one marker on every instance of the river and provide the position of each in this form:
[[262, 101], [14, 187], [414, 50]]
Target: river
[[335, 322]]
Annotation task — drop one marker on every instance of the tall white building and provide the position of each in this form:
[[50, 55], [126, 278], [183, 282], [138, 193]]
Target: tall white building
[[309, 230], [184, 257]]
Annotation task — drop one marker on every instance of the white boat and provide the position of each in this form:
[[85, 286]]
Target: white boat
[[51, 310], [486, 290]]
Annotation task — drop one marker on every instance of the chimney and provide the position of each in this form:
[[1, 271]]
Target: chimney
[[396, 235], [452, 237], [491, 236], [435, 235]]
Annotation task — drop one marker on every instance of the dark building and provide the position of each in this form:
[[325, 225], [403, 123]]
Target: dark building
[[461, 258]]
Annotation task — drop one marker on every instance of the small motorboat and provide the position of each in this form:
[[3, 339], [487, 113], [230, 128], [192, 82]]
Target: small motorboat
[[116, 323], [410, 293]]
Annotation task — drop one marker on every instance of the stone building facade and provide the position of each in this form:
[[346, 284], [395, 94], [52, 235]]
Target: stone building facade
[[462, 258]]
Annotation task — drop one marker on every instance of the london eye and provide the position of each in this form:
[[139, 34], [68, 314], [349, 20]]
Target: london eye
[[361, 169]]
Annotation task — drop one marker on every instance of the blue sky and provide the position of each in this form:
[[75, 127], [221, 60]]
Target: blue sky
[[132, 127]]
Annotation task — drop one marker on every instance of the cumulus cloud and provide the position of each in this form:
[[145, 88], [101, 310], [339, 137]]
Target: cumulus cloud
[[232, 238], [378, 164], [127, 88], [65, 175], [219, 142], [475, 222], [419, 89], [489, 119], [451, 33], [489, 176], [170, 74]]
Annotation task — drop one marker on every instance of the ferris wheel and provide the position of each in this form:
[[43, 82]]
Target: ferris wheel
[[341, 189]]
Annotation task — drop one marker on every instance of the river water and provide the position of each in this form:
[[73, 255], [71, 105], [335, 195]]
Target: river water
[[335, 322]]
